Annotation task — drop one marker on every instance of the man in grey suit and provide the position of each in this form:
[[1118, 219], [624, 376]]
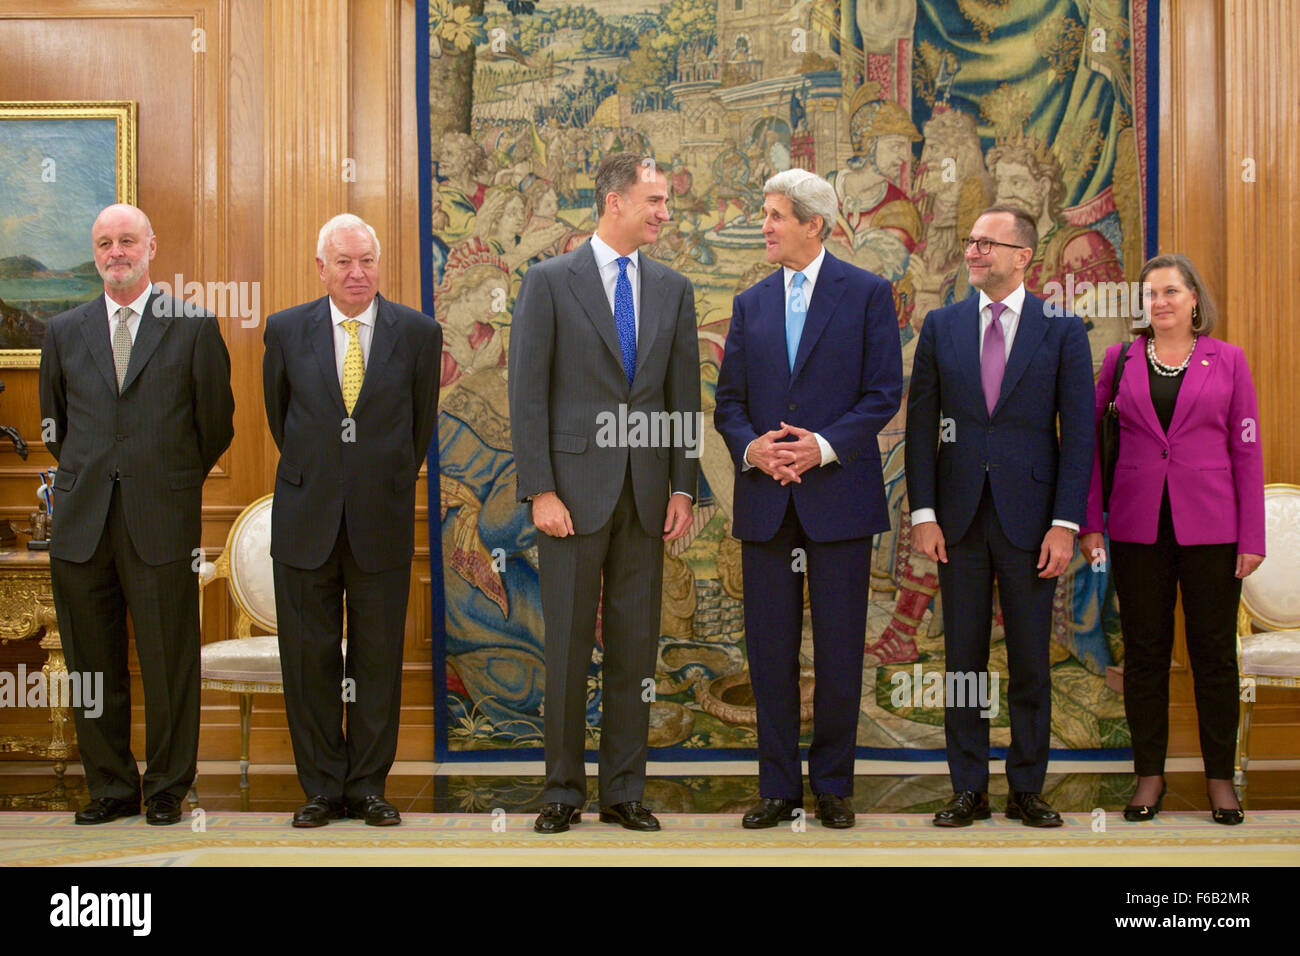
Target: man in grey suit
[[603, 334], [137, 388]]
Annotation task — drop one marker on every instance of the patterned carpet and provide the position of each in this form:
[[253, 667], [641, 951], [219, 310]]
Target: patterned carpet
[[258, 839]]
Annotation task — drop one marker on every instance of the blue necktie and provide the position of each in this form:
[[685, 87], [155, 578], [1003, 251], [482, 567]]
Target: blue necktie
[[796, 310], [625, 318]]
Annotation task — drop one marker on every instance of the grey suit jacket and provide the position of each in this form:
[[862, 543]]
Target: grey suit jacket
[[567, 386], [160, 436]]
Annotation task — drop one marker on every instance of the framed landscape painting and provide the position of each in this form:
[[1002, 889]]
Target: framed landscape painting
[[60, 163]]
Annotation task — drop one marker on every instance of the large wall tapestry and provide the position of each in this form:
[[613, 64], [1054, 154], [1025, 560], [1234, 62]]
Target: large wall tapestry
[[921, 112]]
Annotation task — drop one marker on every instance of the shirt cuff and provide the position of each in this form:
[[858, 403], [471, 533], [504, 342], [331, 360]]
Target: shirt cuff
[[745, 464], [828, 453], [1058, 523], [923, 516], [689, 496]]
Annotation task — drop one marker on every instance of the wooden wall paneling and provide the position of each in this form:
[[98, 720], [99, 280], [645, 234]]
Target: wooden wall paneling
[[1261, 130], [1189, 42], [1229, 82], [147, 53], [75, 51], [307, 102]]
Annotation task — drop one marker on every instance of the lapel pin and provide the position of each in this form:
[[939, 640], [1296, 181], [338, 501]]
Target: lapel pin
[[1205, 361]]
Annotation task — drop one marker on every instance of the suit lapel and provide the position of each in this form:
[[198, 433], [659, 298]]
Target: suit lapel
[[382, 339], [966, 346], [585, 284], [1199, 370], [653, 309], [768, 329], [1029, 334], [321, 335], [153, 326], [94, 329], [1137, 382], [826, 296]]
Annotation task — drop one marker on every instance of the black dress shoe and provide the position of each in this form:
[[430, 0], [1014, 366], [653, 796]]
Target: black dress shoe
[[1229, 817], [630, 816], [104, 809], [317, 812], [770, 812], [834, 811], [375, 810], [965, 807], [1136, 813], [1031, 810], [556, 817], [163, 809]]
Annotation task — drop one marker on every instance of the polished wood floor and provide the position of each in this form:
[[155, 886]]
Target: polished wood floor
[[37, 788]]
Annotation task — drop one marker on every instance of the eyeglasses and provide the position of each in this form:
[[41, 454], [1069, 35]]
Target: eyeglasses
[[985, 246]]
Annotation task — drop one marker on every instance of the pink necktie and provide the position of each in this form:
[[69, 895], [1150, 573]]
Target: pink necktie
[[993, 357]]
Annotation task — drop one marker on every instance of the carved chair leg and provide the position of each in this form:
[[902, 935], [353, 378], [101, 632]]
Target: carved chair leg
[[245, 727]]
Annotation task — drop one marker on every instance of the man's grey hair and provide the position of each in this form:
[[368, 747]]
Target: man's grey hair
[[344, 220], [809, 194]]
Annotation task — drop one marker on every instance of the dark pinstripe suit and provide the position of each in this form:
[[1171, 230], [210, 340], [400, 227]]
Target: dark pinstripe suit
[[565, 370], [127, 504]]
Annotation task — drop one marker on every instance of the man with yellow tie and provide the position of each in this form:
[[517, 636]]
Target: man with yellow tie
[[351, 388]]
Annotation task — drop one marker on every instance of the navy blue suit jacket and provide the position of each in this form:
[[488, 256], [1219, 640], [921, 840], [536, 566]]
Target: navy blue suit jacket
[[846, 385], [953, 443]]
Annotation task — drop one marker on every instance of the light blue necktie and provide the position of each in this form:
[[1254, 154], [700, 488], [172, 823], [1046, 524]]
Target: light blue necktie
[[625, 318], [796, 310]]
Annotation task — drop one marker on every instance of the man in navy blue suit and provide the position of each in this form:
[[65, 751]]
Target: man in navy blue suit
[[993, 380], [811, 373]]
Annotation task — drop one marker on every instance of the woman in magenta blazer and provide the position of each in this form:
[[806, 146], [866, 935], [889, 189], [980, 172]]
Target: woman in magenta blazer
[[1186, 510]]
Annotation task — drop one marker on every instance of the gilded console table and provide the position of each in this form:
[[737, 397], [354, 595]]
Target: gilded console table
[[27, 606]]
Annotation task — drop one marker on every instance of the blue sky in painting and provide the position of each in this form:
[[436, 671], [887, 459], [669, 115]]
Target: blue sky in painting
[[50, 221]]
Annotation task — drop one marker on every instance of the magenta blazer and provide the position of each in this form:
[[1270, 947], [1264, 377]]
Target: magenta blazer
[[1211, 457]]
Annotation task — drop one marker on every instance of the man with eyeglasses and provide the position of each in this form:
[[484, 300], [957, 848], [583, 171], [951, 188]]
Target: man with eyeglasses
[[998, 458]]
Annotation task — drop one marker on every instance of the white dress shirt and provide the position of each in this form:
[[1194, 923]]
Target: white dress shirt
[[364, 332], [1015, 303], [133, 320], [810, 273], [607, 264]]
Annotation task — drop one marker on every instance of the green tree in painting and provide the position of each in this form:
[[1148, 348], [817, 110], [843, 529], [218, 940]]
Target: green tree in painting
[[455, 26]]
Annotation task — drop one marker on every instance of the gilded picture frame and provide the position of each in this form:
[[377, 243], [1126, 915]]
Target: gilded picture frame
[[60, 163]]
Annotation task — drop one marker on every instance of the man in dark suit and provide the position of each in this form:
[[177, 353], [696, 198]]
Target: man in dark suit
[[137, 388], [596, 331], [351, 388], [993, 379], [814, 343]]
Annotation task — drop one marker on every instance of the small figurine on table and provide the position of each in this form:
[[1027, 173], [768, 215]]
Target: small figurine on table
[[43, 521]]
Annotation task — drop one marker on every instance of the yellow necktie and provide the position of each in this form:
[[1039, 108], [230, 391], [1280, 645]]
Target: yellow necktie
[[354, 366]]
